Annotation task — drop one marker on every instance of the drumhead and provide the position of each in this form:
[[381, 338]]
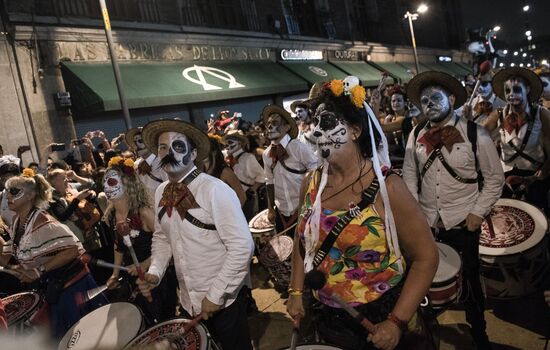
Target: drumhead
[[277, 250], [260, 223], [314, 347], [449, 263], [18, 306], [110, 327], [517, 227], [169, 331]]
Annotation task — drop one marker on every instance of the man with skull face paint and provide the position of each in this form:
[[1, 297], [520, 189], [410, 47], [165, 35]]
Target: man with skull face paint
[[524, 135], [545, 78], [286, 160], [199, 222], [303, 120], [147, 165], [441, 170], [484, 103]]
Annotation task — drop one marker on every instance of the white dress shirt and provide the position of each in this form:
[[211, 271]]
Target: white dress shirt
[[247, 169], [442, 196], [149, 182], [494, 100], [287, 184], [533, 148], [209, 263], [5, 212]]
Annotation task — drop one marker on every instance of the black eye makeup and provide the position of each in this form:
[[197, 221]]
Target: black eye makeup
[[484, 83], [517, 89], [179, 146], [14, 191]]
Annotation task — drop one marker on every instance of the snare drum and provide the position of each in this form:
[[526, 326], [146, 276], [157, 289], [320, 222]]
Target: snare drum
[[447, 283], [314, 347], [262, 229], [275, 256], [514, 258], [110, 327], [170, 332], [20, 309]]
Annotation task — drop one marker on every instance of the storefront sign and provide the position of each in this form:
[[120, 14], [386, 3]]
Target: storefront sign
[[344, 55], [318, 71], [197, 74], [301, 55], [139, 51], [444, 59]]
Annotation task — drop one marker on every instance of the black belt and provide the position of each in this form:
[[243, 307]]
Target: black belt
[[196, 222]]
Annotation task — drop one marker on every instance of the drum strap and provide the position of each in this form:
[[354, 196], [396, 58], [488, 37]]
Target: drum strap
[[519, 151], [294, 171], [367, 197]]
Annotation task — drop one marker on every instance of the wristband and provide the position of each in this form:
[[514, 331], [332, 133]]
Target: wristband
[[295, 292], [402, 325]]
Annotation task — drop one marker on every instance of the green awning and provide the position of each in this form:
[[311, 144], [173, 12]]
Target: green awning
[[464, 67], [369, 75], [445, 68], [396, 70], [315, 71], [93, 89]]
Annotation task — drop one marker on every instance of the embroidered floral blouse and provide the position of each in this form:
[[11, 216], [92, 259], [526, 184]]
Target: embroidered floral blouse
[[359, 266]]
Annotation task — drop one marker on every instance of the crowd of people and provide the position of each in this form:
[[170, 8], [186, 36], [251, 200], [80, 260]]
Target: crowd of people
[[171, 203]]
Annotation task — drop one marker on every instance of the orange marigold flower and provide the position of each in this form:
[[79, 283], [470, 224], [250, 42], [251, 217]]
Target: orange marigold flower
[[358, 95], [337, 87]]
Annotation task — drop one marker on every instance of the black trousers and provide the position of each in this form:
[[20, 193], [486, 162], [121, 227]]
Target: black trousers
[[229, 326], [466, 243]]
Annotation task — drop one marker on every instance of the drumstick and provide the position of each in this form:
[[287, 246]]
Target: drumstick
[[490, 226], [141, 275], [295, 333], [368, 325], [192, 324], [82, 298], [88, 259]]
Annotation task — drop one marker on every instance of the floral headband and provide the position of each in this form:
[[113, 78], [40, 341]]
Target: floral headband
[[357, 93], [28, 172], [125, 164]]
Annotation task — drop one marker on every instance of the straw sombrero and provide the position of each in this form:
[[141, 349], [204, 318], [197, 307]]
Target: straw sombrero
[[534, 82], [129, 136], [274, 109], [432, 78], [152, 130], [235, 134]]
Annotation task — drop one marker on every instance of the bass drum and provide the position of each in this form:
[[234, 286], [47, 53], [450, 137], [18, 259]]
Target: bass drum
[[513, 250], [275, 256], [20, 309], [170, 334], [262, 230], [447, 283], [110, 327], [314, 347]]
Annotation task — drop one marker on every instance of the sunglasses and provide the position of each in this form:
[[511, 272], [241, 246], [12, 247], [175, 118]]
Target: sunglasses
[[14, 191]]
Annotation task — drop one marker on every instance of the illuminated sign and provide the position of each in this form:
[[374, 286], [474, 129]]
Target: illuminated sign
[[444, 59], [301, 55]]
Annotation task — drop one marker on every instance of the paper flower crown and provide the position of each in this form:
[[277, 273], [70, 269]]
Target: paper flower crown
[[125, 165], [357, 93]]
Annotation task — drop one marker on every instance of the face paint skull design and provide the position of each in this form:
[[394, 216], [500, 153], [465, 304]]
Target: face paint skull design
[[398, 104], [485, 90], [546, 86], [515, 92], [275, 127], [328, 133], [175, 151], [112, 185], [16, 193], [302, 114], [233, 146], [435, 103]]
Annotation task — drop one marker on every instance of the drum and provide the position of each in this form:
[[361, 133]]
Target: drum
[[512, 247], [110, 327], [314, 347], [275, 256], [20, 309], [262, 230], [447, 283], [170, 332]]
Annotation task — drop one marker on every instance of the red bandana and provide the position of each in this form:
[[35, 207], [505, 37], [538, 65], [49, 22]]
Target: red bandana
[[483, 107], [441, 136], [514, 121], [276, 153], [177, 195]]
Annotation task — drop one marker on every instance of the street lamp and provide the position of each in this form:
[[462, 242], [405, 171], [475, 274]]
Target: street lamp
[[526, 8], [412, 17], [496, 28], [527, 33], [505, 52]]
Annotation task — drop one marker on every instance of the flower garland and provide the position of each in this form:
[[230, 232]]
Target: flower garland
[[28, 172], [357, 94], [125, 164]]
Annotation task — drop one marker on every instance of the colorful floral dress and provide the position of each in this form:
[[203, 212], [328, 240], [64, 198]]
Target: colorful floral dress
[[359, 266]]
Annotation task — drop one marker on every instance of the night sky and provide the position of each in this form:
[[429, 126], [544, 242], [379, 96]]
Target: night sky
[[509, 15]]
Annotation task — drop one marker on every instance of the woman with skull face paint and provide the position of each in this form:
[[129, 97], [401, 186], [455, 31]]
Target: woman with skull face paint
[[47, 253], [363, 264], [130, 213], [484, 103], [524, 135]]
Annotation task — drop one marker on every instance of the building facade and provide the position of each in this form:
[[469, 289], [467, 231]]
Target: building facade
[[192, 58]]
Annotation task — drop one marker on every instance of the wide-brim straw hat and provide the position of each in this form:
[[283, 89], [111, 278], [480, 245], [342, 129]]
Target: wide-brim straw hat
[[235, 134], [432, 78], [274, 109], [314, 92], [129, 136], [152, 130], [533, 80]]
